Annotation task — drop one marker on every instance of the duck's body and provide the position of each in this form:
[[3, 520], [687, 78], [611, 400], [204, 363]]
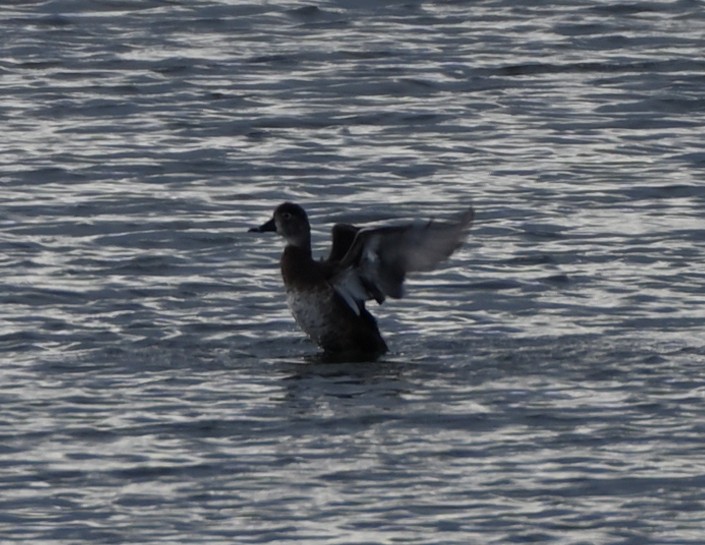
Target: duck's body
[[322, 312], [327, 298]]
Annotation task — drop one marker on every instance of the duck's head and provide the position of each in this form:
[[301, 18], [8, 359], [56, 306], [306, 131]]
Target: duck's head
[[291, 222]]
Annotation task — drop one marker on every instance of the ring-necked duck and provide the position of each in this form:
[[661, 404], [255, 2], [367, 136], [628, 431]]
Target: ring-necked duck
[[327, 297]]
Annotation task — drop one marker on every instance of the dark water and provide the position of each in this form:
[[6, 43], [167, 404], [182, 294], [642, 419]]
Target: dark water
[[546, 386]]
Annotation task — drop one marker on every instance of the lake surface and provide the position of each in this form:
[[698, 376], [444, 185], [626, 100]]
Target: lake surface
[[546, 385]]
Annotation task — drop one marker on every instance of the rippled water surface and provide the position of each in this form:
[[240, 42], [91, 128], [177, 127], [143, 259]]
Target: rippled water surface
[[545, 385]]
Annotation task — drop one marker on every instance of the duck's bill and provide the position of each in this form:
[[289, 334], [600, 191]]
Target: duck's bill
[[268, 227]]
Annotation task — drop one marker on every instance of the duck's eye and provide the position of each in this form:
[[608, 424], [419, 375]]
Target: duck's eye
[[286, 215]]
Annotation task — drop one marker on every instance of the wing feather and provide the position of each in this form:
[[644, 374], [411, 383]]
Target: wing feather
[[378, 259]]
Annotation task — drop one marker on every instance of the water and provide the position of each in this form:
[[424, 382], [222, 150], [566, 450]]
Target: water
[[547, 385]]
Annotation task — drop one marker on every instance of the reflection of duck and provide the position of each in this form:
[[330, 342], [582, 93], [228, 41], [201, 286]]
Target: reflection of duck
[[327, 298]]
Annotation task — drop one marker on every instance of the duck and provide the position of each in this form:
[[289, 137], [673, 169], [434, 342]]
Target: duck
[[328, 297]]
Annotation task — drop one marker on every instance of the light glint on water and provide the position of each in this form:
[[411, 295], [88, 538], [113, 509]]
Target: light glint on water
[[545, 385]]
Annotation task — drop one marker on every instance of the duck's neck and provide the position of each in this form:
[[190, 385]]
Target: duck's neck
[[301, 250], [298, 267], [300, 244]]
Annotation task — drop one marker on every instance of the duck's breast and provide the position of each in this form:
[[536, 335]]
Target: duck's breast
[[312, 310]]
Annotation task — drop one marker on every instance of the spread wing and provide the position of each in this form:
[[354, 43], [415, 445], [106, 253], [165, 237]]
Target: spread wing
[[378, 259]]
